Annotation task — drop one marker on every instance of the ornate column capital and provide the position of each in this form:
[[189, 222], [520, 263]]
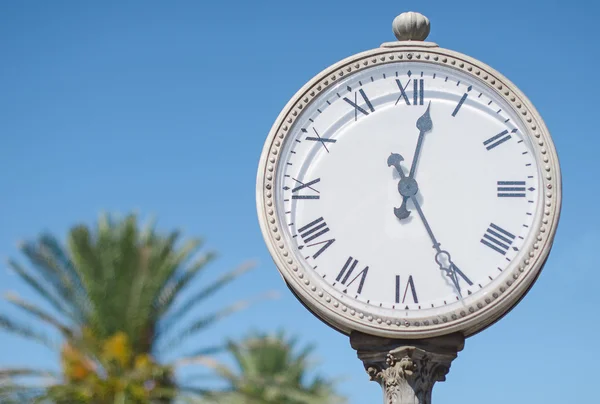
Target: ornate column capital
[[407, 369]]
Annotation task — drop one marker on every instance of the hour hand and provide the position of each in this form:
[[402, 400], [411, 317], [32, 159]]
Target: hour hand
[[424, 123], [402, 212], [394, 160]]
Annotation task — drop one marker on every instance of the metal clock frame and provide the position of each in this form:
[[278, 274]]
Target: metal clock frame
[[483, 309]]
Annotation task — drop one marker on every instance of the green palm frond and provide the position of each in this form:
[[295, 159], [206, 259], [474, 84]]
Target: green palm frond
[[270, 370], [57, 302], [201, 323], [14, 327], [199, 297], [173, 288], [117, 278], [39, 314]]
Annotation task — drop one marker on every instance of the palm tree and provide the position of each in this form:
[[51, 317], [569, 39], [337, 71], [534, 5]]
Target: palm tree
[[116, 297], [270, 370]]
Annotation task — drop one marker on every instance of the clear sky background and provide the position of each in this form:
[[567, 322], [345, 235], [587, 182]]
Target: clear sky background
[[163, 107]]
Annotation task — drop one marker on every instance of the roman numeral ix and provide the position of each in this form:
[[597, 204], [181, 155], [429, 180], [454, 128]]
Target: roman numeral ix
[[307, 186], [347, 272], [312, 232], [497, 239]]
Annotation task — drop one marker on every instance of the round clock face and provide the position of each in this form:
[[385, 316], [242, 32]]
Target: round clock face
[[408, 189]]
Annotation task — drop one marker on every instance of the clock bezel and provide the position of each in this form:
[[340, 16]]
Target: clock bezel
[[484, 310]]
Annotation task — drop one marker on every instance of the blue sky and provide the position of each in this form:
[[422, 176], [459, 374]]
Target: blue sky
[[163, 108]]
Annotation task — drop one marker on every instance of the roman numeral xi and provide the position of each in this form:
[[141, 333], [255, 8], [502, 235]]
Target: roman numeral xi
[[358, 108], [312, 233]]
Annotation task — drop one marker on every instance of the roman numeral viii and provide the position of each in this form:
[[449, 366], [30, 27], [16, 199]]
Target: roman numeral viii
[[358, 108], [497, 239], [400, 295], [346, 273], [312, 232]]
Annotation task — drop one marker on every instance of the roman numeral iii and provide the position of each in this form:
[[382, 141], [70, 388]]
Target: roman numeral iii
[[401, 295], [313, 232], [511, 189], [497, 239], [346, 273]]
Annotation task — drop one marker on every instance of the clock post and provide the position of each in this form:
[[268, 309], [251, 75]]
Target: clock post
[[407, 369]]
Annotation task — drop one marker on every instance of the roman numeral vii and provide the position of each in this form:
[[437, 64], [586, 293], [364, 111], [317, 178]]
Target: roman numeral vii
[[346, 273]]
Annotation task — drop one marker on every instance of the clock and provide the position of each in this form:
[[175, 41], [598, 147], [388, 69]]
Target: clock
[[409, 191]]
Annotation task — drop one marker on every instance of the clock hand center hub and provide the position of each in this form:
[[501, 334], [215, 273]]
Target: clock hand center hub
[[408, 187]]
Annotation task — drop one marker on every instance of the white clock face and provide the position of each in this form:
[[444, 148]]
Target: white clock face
[[407, 186]]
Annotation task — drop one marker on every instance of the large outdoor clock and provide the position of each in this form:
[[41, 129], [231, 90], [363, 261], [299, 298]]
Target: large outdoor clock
[[409, 191]]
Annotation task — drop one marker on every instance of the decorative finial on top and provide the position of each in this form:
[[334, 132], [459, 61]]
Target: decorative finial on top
[[411, 26]]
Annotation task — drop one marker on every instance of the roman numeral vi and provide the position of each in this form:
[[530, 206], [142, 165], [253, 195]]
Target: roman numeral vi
[[401, 296]]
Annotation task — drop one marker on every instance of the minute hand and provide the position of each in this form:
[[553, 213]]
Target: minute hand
[[424, 125], [441, 255]]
